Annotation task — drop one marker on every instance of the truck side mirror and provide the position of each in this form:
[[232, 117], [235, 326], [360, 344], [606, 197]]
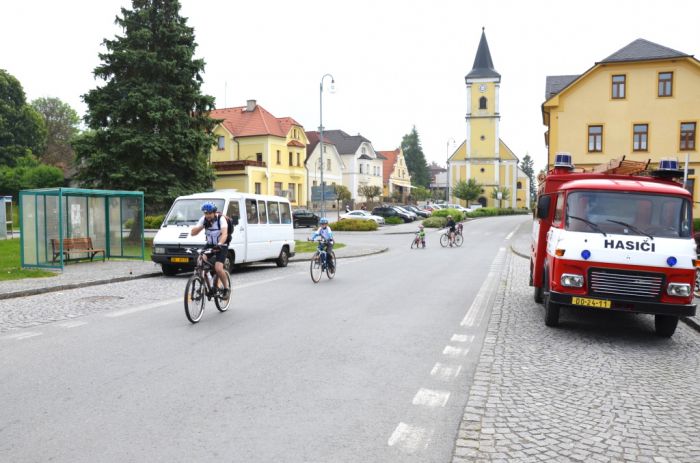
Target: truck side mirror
[[543, 206]]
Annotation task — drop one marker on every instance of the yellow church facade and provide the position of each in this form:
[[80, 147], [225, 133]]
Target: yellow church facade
[[483, 156], [642, 102]]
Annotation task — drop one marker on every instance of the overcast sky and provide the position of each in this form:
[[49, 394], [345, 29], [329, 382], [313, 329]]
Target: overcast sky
[[396, 64]]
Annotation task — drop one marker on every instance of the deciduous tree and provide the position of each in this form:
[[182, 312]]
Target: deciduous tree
[[22, 131], [467, 191], [61, 125]]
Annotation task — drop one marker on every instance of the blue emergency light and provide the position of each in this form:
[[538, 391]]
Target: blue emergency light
[[668, 164], [563, 160]]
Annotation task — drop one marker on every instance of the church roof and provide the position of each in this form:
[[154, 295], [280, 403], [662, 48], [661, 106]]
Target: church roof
[[483, 64], [643, 50]]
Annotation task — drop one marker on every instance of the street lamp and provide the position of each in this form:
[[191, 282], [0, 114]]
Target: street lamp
[[320, 131], [447, 174]]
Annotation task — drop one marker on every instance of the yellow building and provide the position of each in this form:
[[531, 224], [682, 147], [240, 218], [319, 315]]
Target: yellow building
[[483, 156], [257, 152], [641, 102], [396, 180]]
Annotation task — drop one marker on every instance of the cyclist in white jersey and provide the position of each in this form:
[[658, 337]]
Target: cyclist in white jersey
[[216, 231]]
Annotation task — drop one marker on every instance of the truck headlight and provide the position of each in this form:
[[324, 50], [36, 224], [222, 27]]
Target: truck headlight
[[158, 250], [678, 289], [571, 280]]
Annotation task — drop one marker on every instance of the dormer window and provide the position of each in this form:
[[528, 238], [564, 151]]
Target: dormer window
[[364, 150], [482, 102], [221, 143]]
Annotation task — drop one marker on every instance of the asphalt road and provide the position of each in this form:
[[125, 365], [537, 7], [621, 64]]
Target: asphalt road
[[374, 365]]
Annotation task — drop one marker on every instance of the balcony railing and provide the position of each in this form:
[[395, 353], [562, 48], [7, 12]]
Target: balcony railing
[[237, 165]]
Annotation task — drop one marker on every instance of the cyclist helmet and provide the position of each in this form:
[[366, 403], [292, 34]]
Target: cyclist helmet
[[449, 216], [209, 207], [421, 226], [323, 220]]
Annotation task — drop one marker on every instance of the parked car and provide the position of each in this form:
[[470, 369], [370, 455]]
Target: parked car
[[411, 214], [362, 215], [386, 212], [458, 207], [304, 218], [418, 211]]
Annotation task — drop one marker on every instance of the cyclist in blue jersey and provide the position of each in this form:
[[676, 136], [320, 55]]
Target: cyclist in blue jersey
[[217, 233]]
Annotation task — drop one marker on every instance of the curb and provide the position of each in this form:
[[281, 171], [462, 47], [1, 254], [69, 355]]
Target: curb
[[51, 289], [512, 249]]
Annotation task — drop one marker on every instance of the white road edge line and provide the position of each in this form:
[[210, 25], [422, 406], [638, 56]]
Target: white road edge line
[[24, 335], [410, 438], [478, 304], [120, 313], [431, 398], [445, 372], [73, 324], [461, 338]]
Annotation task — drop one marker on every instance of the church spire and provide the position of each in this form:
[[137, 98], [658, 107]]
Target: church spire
[[483, 64]]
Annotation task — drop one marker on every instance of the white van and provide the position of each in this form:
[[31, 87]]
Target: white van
[[262, 230]]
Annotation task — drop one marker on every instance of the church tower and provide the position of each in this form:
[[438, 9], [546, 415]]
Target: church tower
[[483, 156]]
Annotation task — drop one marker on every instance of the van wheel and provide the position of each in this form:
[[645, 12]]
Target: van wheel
[[551, 309], [283, 259], [169, 270], [665, 325]]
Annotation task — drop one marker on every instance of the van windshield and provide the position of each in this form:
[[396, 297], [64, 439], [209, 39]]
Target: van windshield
[[628, 214], [189, 211]]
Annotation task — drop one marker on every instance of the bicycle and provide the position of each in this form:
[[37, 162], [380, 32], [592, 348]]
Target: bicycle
[[459, 228], [445, 239], [418, 241], [204, 285], [321, 262]]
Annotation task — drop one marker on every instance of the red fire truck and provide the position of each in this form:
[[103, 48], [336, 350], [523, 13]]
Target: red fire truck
[[615, 238]]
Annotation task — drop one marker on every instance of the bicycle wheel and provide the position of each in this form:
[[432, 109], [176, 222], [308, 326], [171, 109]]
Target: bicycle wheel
[[223, 303], [444, 240], [414, 243], [316, 268], [194, 298], [330, 265], [459, 240]]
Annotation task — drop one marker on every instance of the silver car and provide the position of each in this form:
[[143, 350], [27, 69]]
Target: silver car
[[362, 215]]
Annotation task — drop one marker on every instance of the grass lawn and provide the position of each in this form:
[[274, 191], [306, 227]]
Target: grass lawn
[[310, 246], [10, 263]]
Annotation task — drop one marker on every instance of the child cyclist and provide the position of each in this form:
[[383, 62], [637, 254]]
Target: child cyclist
[[452, 226], [421, 234], [325, 232]]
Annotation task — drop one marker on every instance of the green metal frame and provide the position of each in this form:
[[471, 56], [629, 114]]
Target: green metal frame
[[60, 194]]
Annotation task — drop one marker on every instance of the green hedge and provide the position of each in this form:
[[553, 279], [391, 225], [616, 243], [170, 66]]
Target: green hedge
[[150, 221], [435, 222], [354, 225], [492, 211], [393, 220], [696, 225], [457, 215]]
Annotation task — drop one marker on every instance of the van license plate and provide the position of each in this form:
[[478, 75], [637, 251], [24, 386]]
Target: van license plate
[[598, 303], [184, 260]]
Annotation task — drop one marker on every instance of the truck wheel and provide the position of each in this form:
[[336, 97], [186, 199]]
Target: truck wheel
[[551, 309], [283, 259], [665, 325], [169, 270]]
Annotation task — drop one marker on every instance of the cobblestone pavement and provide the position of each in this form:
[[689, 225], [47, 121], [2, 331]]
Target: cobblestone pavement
[[601, 387]]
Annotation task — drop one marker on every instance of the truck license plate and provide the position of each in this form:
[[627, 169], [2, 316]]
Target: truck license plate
[[179, 259], [598, 303]]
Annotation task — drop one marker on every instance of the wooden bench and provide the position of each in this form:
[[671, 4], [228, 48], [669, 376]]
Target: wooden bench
[[75, 246]]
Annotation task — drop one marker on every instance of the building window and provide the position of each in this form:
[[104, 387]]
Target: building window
[[482, 102], [291, 158], [618, 86], [292, 192], [640, 137], [328, 164], [221, 143], [258, 188], [279, 157], [258, 157], [665, 84], [520, 186], [298, 160], [688, 136], [278, 188], [595, 138]]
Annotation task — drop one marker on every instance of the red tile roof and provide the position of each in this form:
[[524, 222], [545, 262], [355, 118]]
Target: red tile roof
[[389, 162], [296, 143], [259, 121]]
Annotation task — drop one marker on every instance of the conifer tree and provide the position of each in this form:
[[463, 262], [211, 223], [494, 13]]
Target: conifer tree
[[150, 124], [415, 159]]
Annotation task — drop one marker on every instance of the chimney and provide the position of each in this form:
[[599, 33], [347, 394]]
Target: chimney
[[250, 105]]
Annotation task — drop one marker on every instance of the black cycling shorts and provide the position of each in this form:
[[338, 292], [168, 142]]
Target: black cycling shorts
[[221, 255]]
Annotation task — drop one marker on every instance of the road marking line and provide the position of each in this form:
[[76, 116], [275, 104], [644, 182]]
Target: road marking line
[[24, 335], [73, 324], [455, 351], [445, 372], [410, 438], [461, 338], [155, 305], [479, 303], [431, 398]]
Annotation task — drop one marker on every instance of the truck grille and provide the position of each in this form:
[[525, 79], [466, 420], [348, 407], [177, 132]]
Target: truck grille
[[633, 285]]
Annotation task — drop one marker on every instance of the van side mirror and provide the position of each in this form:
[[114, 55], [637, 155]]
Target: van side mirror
[[234, 220], [543, 206]]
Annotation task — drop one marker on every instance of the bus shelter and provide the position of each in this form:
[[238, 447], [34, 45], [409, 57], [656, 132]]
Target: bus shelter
[[65, 224]]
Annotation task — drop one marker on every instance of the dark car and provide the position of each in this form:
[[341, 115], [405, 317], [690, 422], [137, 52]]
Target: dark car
[[304, 218], [387, 212], [417, 211]]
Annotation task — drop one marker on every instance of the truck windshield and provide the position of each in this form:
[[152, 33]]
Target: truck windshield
[[628, 214], [188, 211]]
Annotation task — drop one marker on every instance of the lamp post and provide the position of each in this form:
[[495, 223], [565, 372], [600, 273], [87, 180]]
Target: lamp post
[[320, 132], [447, 174]]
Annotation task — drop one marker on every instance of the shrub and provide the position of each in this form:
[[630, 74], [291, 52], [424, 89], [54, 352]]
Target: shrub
[[435, 222], [456, 215], [150, 221], [354, 225], [696, 225], [393, 220], [492, 211]]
